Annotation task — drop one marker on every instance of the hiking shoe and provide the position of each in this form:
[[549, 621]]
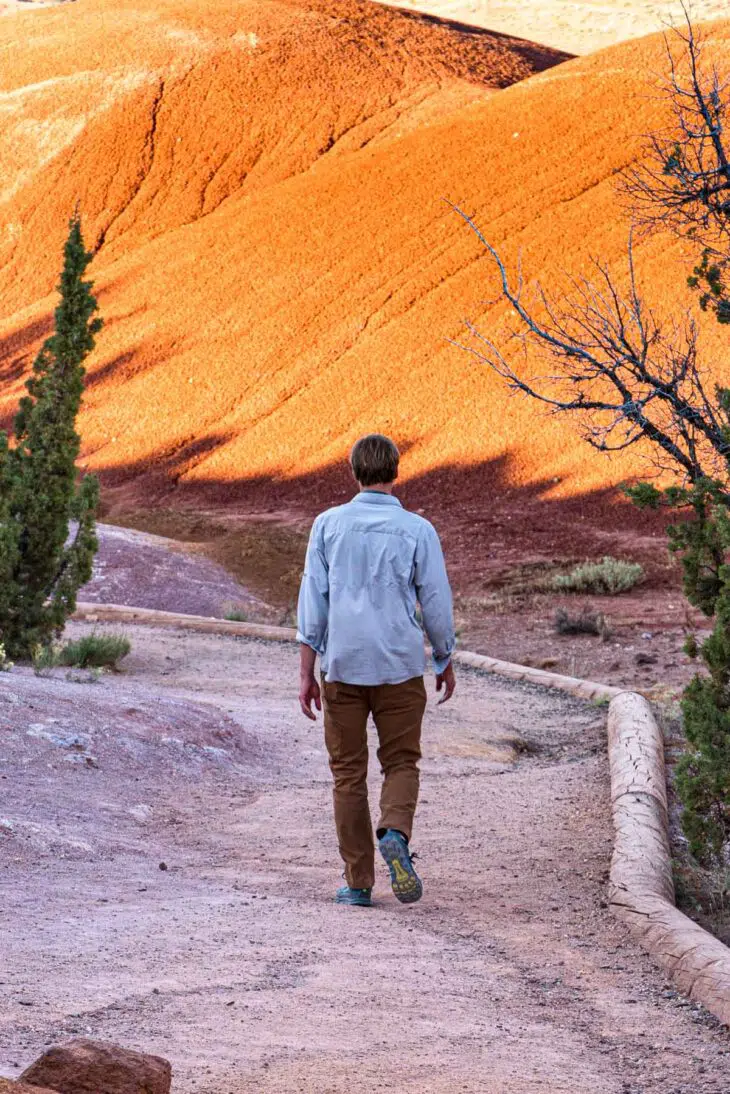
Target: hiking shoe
[[404, 880], [361, 898]]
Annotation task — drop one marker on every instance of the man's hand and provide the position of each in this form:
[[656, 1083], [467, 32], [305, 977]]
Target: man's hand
[[308, 687], [446, 680], [309, 693]]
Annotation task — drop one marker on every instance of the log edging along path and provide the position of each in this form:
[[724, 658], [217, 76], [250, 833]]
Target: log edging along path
[[641, 890]]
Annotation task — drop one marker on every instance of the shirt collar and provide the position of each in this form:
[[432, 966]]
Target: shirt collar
[[373, 497]]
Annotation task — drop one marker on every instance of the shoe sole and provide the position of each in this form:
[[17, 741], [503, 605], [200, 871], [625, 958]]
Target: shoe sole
[[404, 881]]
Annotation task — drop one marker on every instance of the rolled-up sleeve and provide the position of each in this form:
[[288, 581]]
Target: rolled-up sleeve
[[313, 607], [434, 596]]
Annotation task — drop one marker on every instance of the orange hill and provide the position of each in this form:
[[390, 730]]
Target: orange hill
[[277, 270]]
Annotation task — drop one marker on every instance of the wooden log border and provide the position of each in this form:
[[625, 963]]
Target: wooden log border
[[118, 613], [641, 890]]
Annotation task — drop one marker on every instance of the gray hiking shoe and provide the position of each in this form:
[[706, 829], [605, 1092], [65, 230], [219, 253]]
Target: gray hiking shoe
[[404, 880], [361, 898]]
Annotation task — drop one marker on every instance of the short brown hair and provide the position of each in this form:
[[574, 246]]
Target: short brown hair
[[374, 460]]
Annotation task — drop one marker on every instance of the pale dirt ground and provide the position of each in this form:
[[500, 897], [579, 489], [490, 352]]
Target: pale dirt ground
[[576, 26], [149, 571], [510, 977], [12, 7]]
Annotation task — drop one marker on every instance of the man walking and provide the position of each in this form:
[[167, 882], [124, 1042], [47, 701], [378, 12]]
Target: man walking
[[369, 565]]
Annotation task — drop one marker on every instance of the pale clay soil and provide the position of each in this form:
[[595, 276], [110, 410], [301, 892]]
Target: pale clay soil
[[148, 571], [510, 977], [576, 26]]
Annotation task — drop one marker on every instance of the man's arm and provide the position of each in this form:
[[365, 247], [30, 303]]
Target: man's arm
[[312, 617], [434, 596]]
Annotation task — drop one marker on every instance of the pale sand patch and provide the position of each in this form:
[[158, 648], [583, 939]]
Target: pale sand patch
[[12, 7], [576, 26]]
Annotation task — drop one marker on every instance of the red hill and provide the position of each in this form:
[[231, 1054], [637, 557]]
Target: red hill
[[275, 264]]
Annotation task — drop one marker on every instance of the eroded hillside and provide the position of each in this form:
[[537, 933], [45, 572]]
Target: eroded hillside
[[276, 265]]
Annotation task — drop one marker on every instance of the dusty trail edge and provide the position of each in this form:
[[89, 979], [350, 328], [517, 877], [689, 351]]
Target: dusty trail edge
[[641, 890]]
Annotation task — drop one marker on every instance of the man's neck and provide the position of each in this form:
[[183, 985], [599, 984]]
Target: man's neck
[[380, 488]]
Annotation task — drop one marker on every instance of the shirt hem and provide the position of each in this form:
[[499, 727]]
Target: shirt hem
[[375, 683]]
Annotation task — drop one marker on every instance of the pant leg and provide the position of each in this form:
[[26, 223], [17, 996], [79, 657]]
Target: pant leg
[[346, 710], [398, 711]]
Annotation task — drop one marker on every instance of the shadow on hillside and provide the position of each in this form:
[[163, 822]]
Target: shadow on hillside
[[485, 521], [17, 353]]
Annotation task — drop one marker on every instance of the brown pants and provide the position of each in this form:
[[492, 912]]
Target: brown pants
[[397, 711]]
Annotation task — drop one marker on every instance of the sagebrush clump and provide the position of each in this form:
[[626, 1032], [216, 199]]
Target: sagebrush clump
[[236, 615], [95, 651], [609, 577]]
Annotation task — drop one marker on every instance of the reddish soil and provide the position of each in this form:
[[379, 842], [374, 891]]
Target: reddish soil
[[510, 977], [263, 186], [500, 556]]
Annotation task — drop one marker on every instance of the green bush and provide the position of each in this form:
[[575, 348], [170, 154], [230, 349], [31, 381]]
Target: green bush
[[609, 577], [236, 615], [45, 658], [703, 772], [95, 651]]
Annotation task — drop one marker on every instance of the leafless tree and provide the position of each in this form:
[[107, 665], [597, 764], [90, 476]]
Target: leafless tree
[[684, 181], [626, 375]]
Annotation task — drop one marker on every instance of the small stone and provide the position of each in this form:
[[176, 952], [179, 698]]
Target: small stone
[[163, 866]]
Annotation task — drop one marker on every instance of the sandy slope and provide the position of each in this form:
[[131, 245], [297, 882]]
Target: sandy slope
[[277, 268], [509, 978], [577, 26]]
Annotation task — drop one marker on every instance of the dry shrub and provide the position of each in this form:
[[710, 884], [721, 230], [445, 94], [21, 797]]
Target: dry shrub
[[609, 577], [95, 651], [587, 621]]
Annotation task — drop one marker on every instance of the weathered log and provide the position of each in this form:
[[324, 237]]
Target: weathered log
[[582, 689], [641, 891], [119, 613]]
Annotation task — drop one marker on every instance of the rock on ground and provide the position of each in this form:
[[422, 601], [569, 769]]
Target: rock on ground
[[98, 1067], [7, 1086]]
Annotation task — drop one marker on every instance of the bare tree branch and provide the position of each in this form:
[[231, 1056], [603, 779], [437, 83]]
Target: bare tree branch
[[684, 182], [618, 371]]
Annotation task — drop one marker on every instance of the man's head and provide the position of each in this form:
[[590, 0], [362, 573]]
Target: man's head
[[374, 460]]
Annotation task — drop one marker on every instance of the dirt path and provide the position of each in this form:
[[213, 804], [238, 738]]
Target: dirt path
[[509, 978]]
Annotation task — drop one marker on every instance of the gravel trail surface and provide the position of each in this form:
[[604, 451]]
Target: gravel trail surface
[[510, 977]]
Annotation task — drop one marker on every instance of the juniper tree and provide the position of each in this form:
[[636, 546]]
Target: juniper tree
[[47, 517], [630, 378]]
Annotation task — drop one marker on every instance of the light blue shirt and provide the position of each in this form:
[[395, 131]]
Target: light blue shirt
[[370, 564]]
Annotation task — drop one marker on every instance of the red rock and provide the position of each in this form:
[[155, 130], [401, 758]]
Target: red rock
[[82, 1066], [9, 1086]]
